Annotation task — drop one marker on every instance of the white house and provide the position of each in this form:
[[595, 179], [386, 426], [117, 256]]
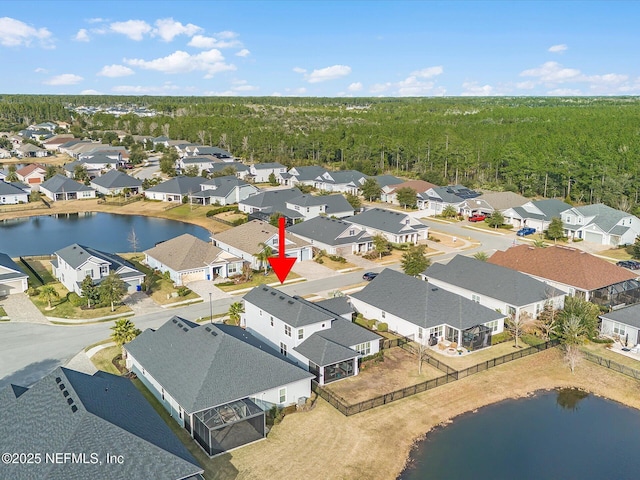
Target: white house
[[301, 175], [311, 206], [601, 224], [436, 199], [261, 171], [175, 189], [12, 195], [114, 182], [397, 227], [344, 181], [335, 236], [536, 213], [217, 381], [498, 288], [223, 191], [75, 262], [389, 193], [623, 324], [317, 339], [12, 279], [60, 187]]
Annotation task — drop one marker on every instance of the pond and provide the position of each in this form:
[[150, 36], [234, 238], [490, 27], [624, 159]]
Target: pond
[[104, 231], [561, 434]]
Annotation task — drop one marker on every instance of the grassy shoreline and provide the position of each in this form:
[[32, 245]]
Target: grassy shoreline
[[354, 448]]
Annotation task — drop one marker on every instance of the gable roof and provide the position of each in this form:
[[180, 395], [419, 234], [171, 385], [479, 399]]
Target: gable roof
[[268, 166], [452, 193], [384, 180], [343, 177], [335, 203], [223, 186], [324, 351], [27, 169], [549, 207], [248, 236], [309, 173], [69, 411], [562, 264], [15, 272], [628, 315], [206, 366], [326, 230], [495, 281], [419, 186], [503, 200], [275, 198], [214, 151], [422, 304], [180, 185], [59, 183], [116, 179], [75, 255], [7, 188], [219, 166], [605, 217], [385, 220], [336, 305], [184, 252]]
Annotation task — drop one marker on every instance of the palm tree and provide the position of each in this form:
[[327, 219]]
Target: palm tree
[[124, 330], [48, 293], [538, 243], [482, 256], [265, 252], [235, 310]]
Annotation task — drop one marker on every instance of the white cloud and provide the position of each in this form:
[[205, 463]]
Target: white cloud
[[168, 29], [90, 92], [82, 35], [226, 34], [145, 89], [472, 89], [134, 29], [565, 92], [380, 87], [41, 70], [64, 79], [200, 41], [14, 33], [428, 72], [299, 70], [96, 20], [355, 87], [210, 62], [114, 71], [328, 73], [552, 72], [558, 48], [243, 53]]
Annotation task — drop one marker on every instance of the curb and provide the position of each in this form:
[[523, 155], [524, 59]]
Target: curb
[[274, 284], [484, 230], [80, 321], [92, 351]]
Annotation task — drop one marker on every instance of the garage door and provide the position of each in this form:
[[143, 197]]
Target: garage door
[[305, 254], [593, 237], [193, 276], [4, 290]]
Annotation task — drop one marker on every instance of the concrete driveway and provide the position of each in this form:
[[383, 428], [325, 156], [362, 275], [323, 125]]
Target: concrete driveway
[[205, 287], [20, 308], [312, 270]]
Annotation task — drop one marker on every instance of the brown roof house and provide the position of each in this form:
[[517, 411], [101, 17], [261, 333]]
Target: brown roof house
[[188, 259], [32, 174], [247, 240], [575, 271]]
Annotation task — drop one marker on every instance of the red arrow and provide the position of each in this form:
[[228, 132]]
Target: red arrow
[[281, 264]]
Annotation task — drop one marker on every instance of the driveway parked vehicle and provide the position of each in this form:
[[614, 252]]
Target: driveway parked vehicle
[[369, 276], [478, 217], [630, 264], [525, 231]]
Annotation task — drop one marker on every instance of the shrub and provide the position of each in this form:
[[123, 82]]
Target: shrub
[[500, 338], [382, 327], [319, 260], [76, 300], [338, 258], [401, 246], [239, 221], [372, 255], [33, 292], [183, 291], [601, 340], [576, 240], [226, 208]]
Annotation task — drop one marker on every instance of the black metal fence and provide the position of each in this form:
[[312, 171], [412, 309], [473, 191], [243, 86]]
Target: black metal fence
[[386, 343], [616, 367], [450, 375]]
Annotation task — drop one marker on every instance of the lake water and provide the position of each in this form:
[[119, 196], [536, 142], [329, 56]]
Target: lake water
[[565, 434], [107, 232]]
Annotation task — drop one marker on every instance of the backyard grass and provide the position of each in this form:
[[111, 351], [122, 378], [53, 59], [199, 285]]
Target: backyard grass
[[398, 370], [195, 214], [601, 350], [258, 278], [460, 362], [43, 268], [616, 254], [333, 265], [103, 360]]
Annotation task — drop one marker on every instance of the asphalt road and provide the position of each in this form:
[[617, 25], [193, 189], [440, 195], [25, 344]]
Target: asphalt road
[[30, 351]]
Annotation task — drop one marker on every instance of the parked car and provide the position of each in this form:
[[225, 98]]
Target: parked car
[[630, 264], [369, 276], [478, 217], [525, 231]]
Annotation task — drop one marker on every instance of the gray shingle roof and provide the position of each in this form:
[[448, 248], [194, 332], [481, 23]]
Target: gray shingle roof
[[455, 193], [322, 351], [326, 230], [69, 411], [627, 315], [336, 305], [75, 255], [274, 198], [384, 180], [238, 166], [501, 283], [344, 177], [8, 189], [248, 237], [337, 204], [59, 183], [181, 185], [268, 166], [422, 304], [550, 208], [116, 179], [605, 217], [309, 173], [384, 220], [206, 366], [6, 262], [223, 186]]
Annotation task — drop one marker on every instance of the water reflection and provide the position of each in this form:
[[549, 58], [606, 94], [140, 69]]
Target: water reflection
[[568, 398]]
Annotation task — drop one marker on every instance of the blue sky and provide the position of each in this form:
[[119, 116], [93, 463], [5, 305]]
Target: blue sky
[[328, 49]]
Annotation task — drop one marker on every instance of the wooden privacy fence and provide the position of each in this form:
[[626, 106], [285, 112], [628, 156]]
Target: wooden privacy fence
[[450, 375]]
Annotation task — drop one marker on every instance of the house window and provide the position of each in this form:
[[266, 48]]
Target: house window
[[274, 241], [436, 331], [406, 222], [180, 412], [300, 333], [232, 268], [271, 321], [307, 209], [162, 393], [260, 313], [287, 330], [283, 349], [384, 314], [420, 333], [88, 273], [475, 298], [104, 270], [493, 325], [352, 233], [364, 348], [538, 308], [282, 395], [619, 329], [86, 194], [511, 311]]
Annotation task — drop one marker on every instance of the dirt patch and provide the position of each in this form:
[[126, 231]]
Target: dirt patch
[[398, 370]]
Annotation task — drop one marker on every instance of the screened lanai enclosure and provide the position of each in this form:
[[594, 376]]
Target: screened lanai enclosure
[[477, 337], [617, 295], [228, 426]]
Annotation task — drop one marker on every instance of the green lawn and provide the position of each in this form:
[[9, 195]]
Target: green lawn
[[601, 350], [103, 360], [257, 279], [616, 254], [3, 312]]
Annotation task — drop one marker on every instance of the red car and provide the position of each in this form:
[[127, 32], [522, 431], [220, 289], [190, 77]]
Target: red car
[[478, 217]]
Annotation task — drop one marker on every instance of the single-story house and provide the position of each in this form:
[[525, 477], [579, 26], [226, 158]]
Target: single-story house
[[200, 162], [221, 168], [27, 150], [260, 172], [426, 313], [188, 258], [60, 187], [264, 204], [388, 193], [216, 152], [175, 189], [217, 381], [54, 142], [75, 262], [601, 224], [114, 182], [12, 279], [311, 206], [11, 194], [344, 181], [622, 323], [436, 199], [5, 153], [223, 191], [32, 174], [336, 237], [397, 227], [536, 213], [490, 202], [499, 288], [301, 175], [245, 241], [318, 339], [89, 426], [574, 271]]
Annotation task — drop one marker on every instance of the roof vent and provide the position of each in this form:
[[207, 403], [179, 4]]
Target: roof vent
[[180, 325], [214, 333], [434, 289], [74, 409], [61, 386], [272, 293], [185, 329], [65, 393], [69, 401], [290, 302], [174, 320], [208, 329], [281, 297], [58, 379]]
